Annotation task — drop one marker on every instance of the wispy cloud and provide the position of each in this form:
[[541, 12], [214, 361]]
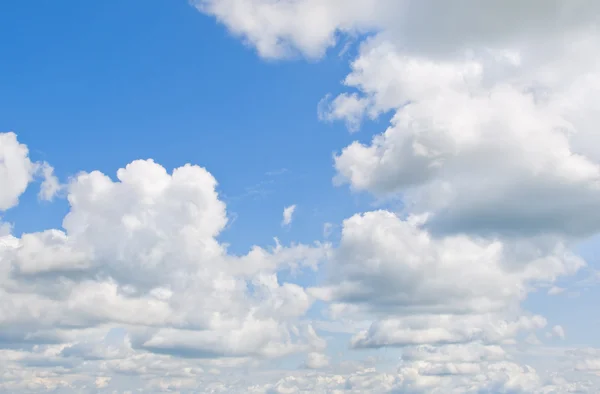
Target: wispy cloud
[[288, 213]]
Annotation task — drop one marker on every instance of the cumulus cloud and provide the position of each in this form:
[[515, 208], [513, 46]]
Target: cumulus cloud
[[140, 253], [16, 170], [470, 89], [447, 146], [557, 331], [419, 289], [317, 360]]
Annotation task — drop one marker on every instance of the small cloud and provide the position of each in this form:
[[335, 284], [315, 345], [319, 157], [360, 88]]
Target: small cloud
[[347, 107], [276, 172], [556, 332], [532, 339], [327, 228], [555, 290], [102, 381], [316, 361], [50, 184], [288, 213]]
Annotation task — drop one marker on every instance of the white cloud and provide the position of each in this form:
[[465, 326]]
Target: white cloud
[[418, 289], [347, 107], [50, 185], [432, 27], [555, 290], [288, 213], [396, 265], [447, 146], [16, 170], [102, 381], [281, 29], [316, 360], [470, 89], [141, 253], [557, 331]]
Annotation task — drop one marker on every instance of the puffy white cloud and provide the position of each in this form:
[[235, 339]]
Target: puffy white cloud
[[16, 170], [386, 264], [557, 331], [434, 27], [347, 107], [496, 105], [50, 186], [141, 252], [282, 28], [481, 154], [421, 290], [316, 360]]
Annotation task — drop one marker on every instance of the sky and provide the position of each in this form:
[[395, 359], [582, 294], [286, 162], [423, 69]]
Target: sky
[[299, 196]]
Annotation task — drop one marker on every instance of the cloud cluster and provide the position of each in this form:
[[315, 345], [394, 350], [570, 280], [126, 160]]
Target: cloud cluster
[[492, 150], [140, 253]]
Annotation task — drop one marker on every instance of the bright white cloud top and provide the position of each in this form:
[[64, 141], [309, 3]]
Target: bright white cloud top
[[492, 148]]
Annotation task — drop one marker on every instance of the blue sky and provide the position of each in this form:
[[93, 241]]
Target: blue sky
[[260, 94], [99, 84]]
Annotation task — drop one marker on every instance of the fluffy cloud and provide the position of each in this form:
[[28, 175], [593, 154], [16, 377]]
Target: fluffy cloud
[[140, 253], [317, 360], [426, 290], [280, 28], [480, 154], [16, 170], [495, 106]]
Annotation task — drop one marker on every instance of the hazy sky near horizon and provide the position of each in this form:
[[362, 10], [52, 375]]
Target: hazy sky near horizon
[[300, 196]]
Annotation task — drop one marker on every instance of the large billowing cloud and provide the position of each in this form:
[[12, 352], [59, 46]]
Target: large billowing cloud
[[140, 253], [278, 28], [483, 154], [422, 290], [495, 103]]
